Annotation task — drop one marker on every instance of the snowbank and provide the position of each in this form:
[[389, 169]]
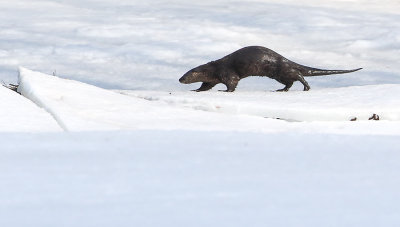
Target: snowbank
[[81, 107], [18, 114]]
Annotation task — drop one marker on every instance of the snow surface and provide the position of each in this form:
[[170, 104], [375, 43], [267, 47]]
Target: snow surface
[[20, 115], [187, 178], [81, 107], [192, 169], [334, 104], [147, 152]]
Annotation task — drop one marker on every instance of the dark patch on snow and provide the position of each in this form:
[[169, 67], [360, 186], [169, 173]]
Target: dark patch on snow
[[12, 87], [374, 117]]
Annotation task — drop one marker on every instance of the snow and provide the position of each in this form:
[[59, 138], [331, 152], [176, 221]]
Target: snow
[[188, 178], [149, 45], [81, 107], [20, 115], [334, 104], [105, 135]]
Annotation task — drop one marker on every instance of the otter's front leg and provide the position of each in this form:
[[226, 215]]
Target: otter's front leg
[[205, 86]]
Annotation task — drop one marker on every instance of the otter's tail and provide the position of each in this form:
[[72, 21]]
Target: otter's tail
[[322, 72]]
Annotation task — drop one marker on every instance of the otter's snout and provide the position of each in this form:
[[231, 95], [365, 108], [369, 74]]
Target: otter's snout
[[182, 80], [186, 79], [193, 76]]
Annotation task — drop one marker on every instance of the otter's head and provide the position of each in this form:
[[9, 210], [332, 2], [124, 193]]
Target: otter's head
[[202, 73]]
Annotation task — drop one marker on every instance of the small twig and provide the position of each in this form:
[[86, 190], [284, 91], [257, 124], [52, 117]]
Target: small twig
[[12, 87]]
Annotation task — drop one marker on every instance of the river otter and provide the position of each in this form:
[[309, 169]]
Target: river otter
[[253, 61]]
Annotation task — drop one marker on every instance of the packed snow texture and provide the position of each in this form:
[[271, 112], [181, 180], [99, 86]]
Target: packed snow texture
[[334, 104], [186, 178]]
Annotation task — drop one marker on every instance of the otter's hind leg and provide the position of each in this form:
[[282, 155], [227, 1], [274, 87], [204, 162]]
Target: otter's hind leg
[[304, 82], [205, 86]]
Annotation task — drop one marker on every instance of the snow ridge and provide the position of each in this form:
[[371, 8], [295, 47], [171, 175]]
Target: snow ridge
[[18, 114], [26, 89]]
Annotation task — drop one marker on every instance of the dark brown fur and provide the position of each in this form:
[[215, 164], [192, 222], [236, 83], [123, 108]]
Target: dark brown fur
[[253, 61]]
